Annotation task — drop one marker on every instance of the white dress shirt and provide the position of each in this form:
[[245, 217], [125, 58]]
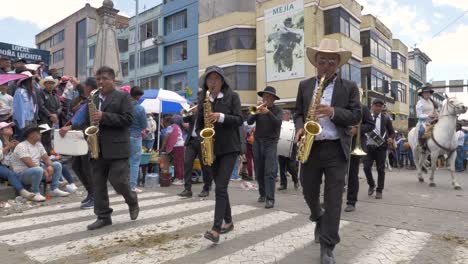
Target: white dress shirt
[[329, 131], [378, 124]]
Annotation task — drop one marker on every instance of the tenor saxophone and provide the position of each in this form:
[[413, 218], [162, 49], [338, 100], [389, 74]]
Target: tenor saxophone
[[207, 133], [92, 131], [312, 127]]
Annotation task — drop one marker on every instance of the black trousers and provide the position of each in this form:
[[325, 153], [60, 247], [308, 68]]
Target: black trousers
[[353, 180], [222, 169], [377, 154], [81, 165], [326, 158], [266, 167], [193, 150], [287, 164], [117, 171]]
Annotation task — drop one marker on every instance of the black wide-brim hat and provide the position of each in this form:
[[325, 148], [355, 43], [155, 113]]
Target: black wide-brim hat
[[31, 129], [208, 71], [425, 88], [269, 90]]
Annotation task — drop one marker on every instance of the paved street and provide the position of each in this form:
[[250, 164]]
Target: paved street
[[412, 224]]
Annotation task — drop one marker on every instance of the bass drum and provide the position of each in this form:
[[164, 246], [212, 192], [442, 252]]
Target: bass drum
[[286, 140]]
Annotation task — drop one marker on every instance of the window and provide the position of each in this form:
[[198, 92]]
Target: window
[[149, 30], [91, 51], [242, 77], [45, 44], [57, 56], [124, 67], [381, 51], [176, 82], [123, 45], [398, 62], [352, 71], [149, 57], [176, 52], [90, 72], [131, 62], [237, 38], [374, 80], [81, 60], [151, 82], [399, 91], [175, 22], [338, 20], [58, 37]]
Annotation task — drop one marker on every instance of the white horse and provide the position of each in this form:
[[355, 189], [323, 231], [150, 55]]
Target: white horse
[[443, 141]]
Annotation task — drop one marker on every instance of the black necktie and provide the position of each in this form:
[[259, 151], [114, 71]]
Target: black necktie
[[375, 117]]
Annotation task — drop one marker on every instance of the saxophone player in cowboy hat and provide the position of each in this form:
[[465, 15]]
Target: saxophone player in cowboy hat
[[338, 110]]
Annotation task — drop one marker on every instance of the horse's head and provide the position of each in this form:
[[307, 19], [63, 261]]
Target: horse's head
[[455, 106]]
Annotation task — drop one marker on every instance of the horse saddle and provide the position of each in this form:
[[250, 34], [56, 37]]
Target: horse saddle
[[429, 128]]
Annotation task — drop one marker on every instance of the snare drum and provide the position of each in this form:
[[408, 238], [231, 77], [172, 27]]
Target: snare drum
[[286, 140]]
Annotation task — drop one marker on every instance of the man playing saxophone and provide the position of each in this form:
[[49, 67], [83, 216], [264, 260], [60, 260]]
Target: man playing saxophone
[[338, 108]]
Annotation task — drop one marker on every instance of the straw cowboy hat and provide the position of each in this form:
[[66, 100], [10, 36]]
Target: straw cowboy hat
[[331, 46], [48, 79]]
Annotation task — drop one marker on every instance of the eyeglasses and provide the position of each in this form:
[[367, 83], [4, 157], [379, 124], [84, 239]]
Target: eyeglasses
[[330, 62]]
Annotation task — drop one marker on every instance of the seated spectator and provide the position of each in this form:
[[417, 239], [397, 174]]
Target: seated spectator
[[6, 104], [7, 146], [26, 162]]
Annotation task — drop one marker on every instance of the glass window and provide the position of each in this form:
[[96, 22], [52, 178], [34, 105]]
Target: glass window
[[91, 51], [176, 82], [352, 71], [123, 45], [237, 38], [175, 22], [57, 56], [149, 57], [344, 26], [149, 30], [176, 52], [242, 77], [354, 30], [131, 61], [339, 20], [57, 38], [81, 48], [124, 67], [151, 82]]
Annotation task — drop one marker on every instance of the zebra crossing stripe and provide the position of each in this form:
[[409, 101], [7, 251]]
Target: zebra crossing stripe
[[273, 249], [60, 230], [182, 247], [58, 251], [399, 246], [460, 255], [53, 208]]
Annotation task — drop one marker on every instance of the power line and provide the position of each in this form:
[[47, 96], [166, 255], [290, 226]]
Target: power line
[[451, 23]]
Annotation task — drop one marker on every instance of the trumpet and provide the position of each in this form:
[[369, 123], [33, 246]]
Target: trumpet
[[253, 109], [358, 151], [188, 112]]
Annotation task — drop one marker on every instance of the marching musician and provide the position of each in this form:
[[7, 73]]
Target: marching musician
[[378, 151], [288, 164], [192, 151], [114, 116], [339, 109], [227, 118], [367, 125], [426, 111], [267, 121]]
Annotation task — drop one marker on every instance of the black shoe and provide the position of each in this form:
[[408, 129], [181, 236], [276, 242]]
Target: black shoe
[[204, 194], [88, 205], [296, 186], [282, 188], [317, 233], [371, 190], [100, 223], [208, 235], [327, 256], [378, 195], [88, 197], [185, 194], [350, 208], [269, 204], [261, 199], [228, 229], [134, 211]]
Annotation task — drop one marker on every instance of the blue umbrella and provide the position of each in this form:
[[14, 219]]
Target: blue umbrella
[[162, 101]]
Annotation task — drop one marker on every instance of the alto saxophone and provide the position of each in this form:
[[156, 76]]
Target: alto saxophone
[[207, 134], [92, 131], [312, 127]]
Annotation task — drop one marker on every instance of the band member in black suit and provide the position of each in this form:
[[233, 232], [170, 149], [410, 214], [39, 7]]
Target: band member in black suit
[[192, 151], [367, 125], [384, 129], [267, 121], [226, 117], [113, 115], [339, 109]]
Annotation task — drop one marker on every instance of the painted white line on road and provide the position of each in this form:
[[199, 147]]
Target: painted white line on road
[[46, 219], [395, 246], [60, 230], [58, 207], [273, 249], [58, 251], [460, 255], [182, 247]]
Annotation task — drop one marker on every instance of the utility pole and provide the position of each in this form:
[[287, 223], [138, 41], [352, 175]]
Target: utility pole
[[137, 42]]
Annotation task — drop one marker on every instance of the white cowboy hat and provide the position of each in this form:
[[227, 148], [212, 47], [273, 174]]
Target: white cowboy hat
[[328, 46], [32, 66], [48, 79], [44, 128]]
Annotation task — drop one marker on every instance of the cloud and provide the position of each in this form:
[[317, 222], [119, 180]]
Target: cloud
[[460, 4], [438, 15], [448, 48]]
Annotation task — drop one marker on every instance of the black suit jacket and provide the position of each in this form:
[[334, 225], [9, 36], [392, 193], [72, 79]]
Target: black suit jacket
[[191, 121], [227, 138], [114, 137], [367, 125], [345, 101]]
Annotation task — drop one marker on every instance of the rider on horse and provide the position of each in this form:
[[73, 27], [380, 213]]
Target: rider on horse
[[426, 111]]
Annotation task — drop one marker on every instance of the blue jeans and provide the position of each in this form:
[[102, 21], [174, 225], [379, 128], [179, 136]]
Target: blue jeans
[[12, 178], [33, 176], [235, 174], [148, 144], [135, 156], [66, 174], [460, 158]]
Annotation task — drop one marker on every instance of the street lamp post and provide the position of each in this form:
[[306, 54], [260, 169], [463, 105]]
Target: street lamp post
[[137, 38]]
